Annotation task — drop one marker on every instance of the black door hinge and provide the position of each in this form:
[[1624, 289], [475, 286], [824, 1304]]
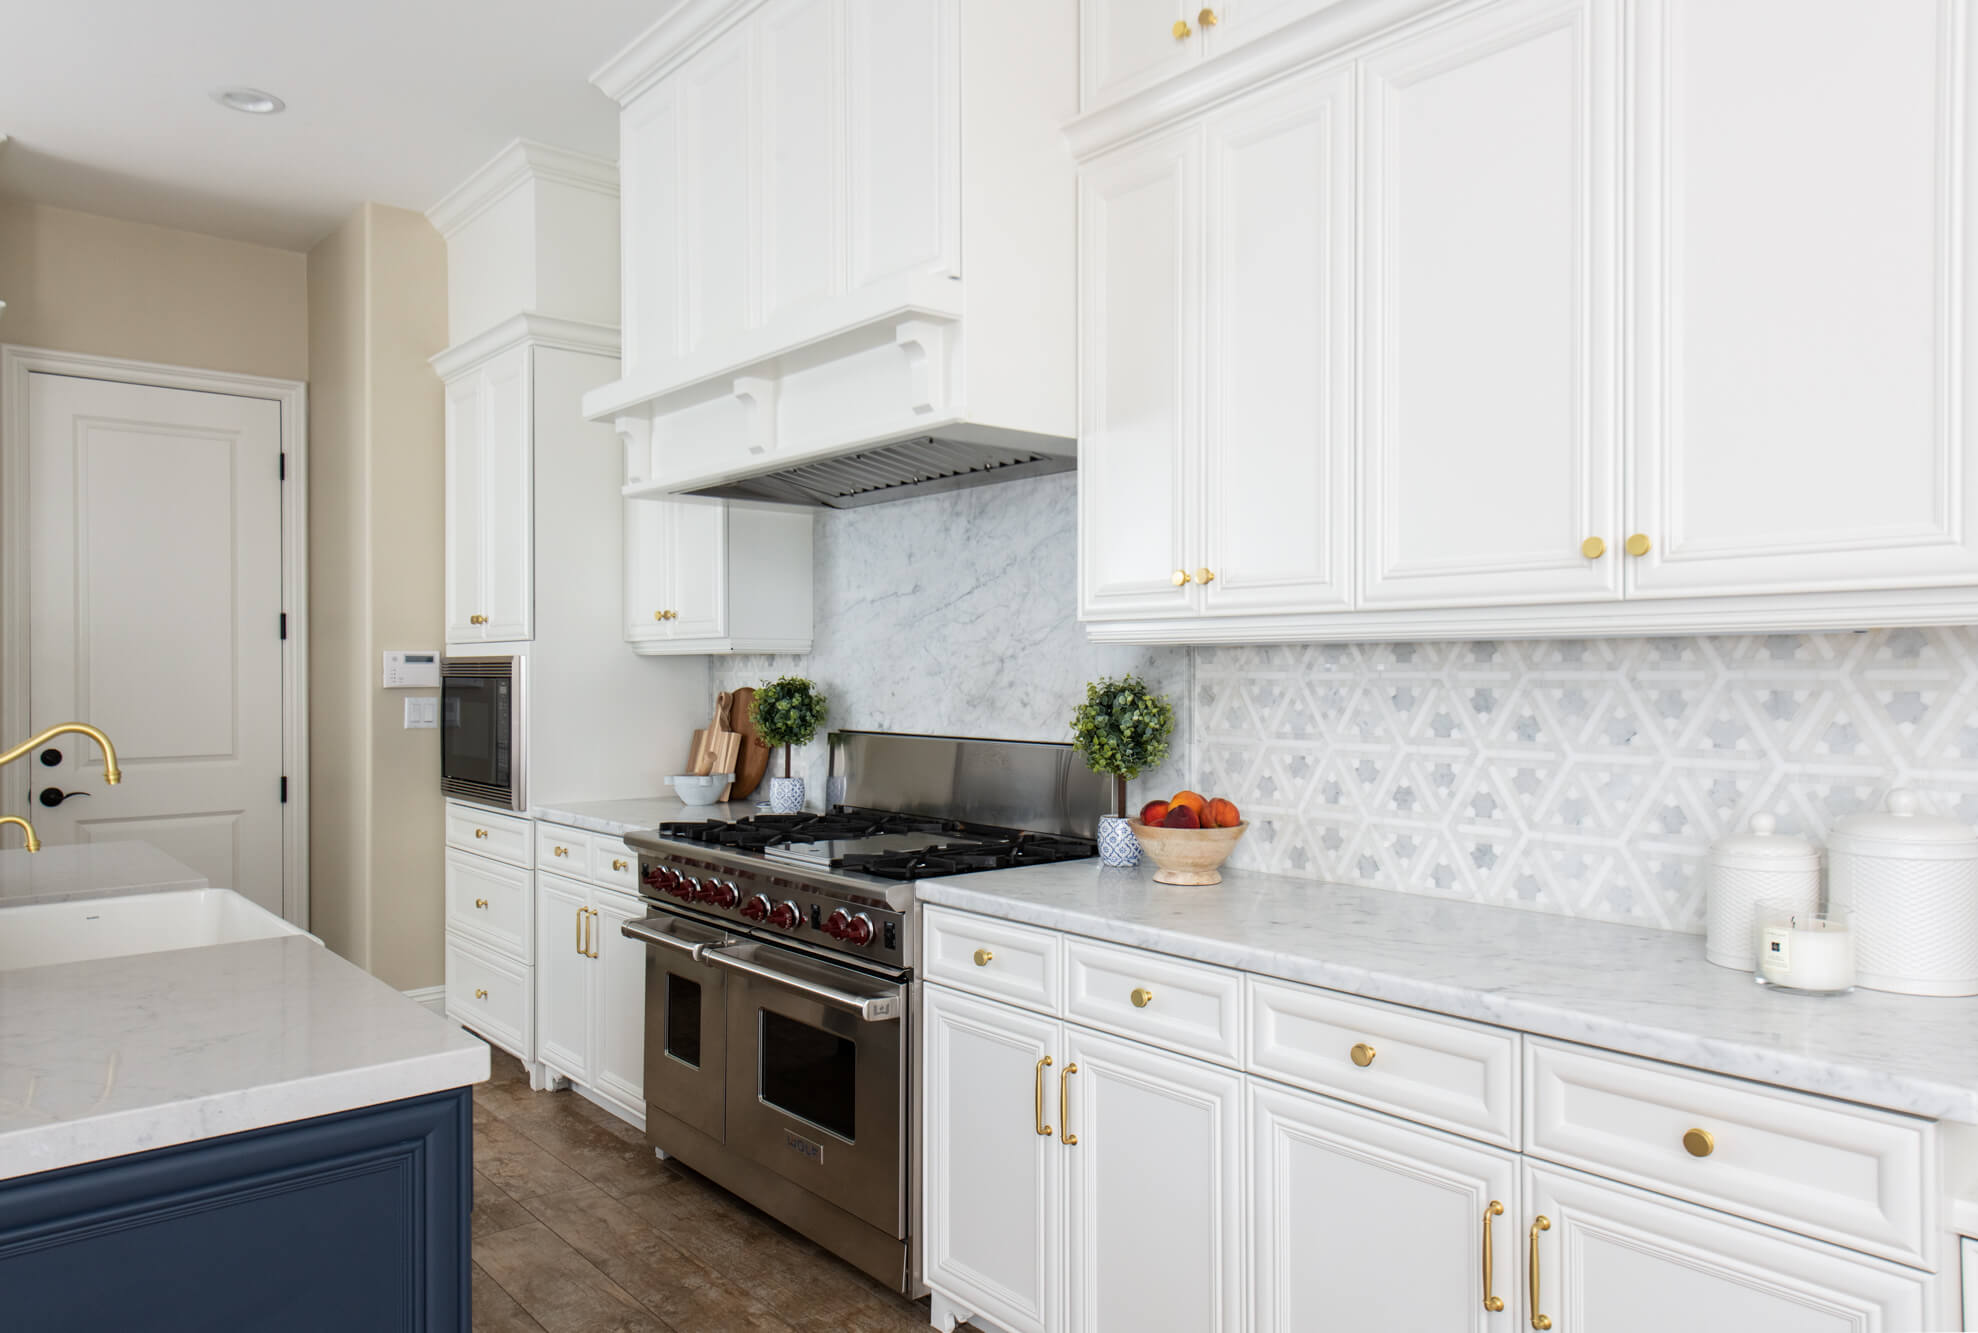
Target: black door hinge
[[284, 789], [284, 464], [284, 624]]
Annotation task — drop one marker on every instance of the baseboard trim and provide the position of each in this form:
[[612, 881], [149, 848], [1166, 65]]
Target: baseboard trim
[[433, 997]]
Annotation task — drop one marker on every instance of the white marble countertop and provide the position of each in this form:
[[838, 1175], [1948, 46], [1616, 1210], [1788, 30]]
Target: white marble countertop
[[635, 815], [1645, 992], [90, 869], [122, 1055]]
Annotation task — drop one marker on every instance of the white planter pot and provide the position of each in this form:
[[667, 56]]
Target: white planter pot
[[786, 795]]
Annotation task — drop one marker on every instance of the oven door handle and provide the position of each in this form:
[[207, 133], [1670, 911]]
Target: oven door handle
[[639, 930], [871, 1008]]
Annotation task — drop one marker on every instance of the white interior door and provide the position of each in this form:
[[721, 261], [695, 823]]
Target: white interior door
[[155, 591]]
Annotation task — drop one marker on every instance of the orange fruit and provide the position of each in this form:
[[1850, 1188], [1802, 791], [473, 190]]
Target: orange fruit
[[1153, 812], [1193, 800], [1222, 814]]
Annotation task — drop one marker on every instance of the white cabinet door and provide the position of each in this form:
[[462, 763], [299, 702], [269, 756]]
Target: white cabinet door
[[1805, 295], [563, 975], [618, 1020], [1618, 1260], [650, 226], [1360, 1220], [1275, 472], [648, 570], [1487, 261], [697, 556], [1154, 1189], [992, 1205], [466, 519], [717, 131], [1240, 21], [904, 140], [508, 537], [1140, 214], [802, 153], [1127, 45]]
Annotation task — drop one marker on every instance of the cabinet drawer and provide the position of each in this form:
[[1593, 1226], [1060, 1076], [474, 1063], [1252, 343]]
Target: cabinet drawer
[[491, 903], [1188, 1007], [1860, 1177], [490, 995], [486, 833], [995, 958], [567, 851], [613, 864], [1437, 1071]]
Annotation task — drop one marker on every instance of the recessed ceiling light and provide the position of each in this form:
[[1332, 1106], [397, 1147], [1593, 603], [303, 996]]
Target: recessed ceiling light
[[251, 100]]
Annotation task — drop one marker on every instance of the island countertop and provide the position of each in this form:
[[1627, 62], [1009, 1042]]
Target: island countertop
[[122, 1055], [1643, 992]]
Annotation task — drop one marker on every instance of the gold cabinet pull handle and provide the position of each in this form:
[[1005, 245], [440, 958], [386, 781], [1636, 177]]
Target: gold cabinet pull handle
[[1205, 575], [480, 994], [591, 934], [1363, 1054], [983, 957], [1069, 1139], [1182, 32], [1539, 1321], [1141, 997], [480, 833], [1593, 548], [481, 903], [617, 864], [1043, 1130], [579, 920], [1639, 544], [1491, 1303], [1699, 1142], [1181, 578]]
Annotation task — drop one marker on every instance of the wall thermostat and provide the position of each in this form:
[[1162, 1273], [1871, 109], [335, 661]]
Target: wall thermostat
[[412, 670]]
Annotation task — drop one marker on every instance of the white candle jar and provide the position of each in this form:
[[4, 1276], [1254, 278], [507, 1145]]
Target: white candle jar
[[1745, 869], [1809, 952]]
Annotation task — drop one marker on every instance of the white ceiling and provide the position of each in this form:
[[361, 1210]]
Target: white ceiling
[[108, 106]]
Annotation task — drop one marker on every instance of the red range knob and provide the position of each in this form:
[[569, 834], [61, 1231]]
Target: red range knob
[[718, 893], [858, 930], [756, 908], [786, 916], [835, 924], [684, 887]]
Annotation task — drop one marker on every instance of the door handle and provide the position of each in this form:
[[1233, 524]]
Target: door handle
[[645, 934], [871, 1008], [54, 796]]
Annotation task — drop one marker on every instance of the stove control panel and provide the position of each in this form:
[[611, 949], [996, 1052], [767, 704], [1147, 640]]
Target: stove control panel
[[827, 917]]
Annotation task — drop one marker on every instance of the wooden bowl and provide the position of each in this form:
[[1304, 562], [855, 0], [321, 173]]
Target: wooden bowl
[[1187, 855]]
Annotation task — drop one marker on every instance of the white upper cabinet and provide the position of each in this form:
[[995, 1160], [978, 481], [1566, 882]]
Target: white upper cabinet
[[717, 127], [1804, 291], [490, 543], [1488, 442], [1133, 44], [803, 223], [705, 576], [901, 106]]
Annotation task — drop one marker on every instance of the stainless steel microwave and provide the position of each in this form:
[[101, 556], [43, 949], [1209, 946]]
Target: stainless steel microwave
[[483, 731]]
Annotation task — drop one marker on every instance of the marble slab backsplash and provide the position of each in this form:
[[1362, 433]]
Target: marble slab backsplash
[[1585, 778], [957, 614]]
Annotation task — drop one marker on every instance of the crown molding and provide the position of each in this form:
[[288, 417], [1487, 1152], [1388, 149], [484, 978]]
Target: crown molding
[[519, 163], [538, 330], [660, 49]]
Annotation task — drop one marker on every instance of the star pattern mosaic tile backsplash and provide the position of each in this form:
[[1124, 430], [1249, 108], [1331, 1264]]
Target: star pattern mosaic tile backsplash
[[1585, 777]]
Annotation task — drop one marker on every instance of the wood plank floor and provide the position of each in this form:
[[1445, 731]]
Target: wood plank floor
[[578, 1228]]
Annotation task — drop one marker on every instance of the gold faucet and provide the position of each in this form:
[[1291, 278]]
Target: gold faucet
[[33, 843], [111, 773]]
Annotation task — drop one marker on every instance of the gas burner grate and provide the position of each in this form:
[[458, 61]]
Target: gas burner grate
[[962, 858], [764, 831]]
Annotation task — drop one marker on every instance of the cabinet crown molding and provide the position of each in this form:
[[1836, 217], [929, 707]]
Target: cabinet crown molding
[[540, 330], [509, 170], [677, 34]]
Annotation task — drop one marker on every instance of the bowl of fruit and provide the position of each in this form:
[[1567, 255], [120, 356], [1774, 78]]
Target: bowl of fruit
[[1188, 837]]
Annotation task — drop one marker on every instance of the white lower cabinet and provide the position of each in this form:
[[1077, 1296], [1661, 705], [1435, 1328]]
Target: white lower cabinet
[[1359, 1220], [590, 991], [1611, 1259]]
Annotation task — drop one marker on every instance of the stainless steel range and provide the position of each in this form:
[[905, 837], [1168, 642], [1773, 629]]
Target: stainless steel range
[[781, 1009]]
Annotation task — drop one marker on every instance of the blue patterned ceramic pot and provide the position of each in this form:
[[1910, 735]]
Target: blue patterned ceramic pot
[[786, 795], [1117, 845]]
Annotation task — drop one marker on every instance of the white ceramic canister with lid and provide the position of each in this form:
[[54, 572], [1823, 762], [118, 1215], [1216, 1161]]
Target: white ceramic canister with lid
[[1745, 869], [1911, 880]]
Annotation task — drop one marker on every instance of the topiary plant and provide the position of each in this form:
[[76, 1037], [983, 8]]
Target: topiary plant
[[1121, 728], [787, 712]]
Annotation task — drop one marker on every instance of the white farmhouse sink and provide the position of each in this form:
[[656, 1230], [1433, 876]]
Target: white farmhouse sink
[[40, 934]]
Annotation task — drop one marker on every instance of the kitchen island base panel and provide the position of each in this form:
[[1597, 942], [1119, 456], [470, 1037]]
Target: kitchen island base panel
[[351, 1221]]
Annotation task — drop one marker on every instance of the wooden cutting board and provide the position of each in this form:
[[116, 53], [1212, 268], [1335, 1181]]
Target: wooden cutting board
[[752, 759]]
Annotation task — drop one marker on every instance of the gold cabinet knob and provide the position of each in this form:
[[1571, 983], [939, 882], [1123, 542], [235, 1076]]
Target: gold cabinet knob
[[1699, 1142], [481, 903], [1593, 548], [480, 994], [1207, 18], [480, 833], [617, 864], [562, 851], [1205, 575], [659, 615], [1638, 544], [982, 957], [1141, 997], [1181, 30], [1181, 577], [477, 620], [1363, 1054]]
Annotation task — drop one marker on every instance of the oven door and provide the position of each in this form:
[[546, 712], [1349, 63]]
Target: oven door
[[686, 1063], [817, 1088]]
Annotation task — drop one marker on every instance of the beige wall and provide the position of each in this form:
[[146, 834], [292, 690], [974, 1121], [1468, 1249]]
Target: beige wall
[[377, 310]]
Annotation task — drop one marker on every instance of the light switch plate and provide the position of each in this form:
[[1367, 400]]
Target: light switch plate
[[422, 712]]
